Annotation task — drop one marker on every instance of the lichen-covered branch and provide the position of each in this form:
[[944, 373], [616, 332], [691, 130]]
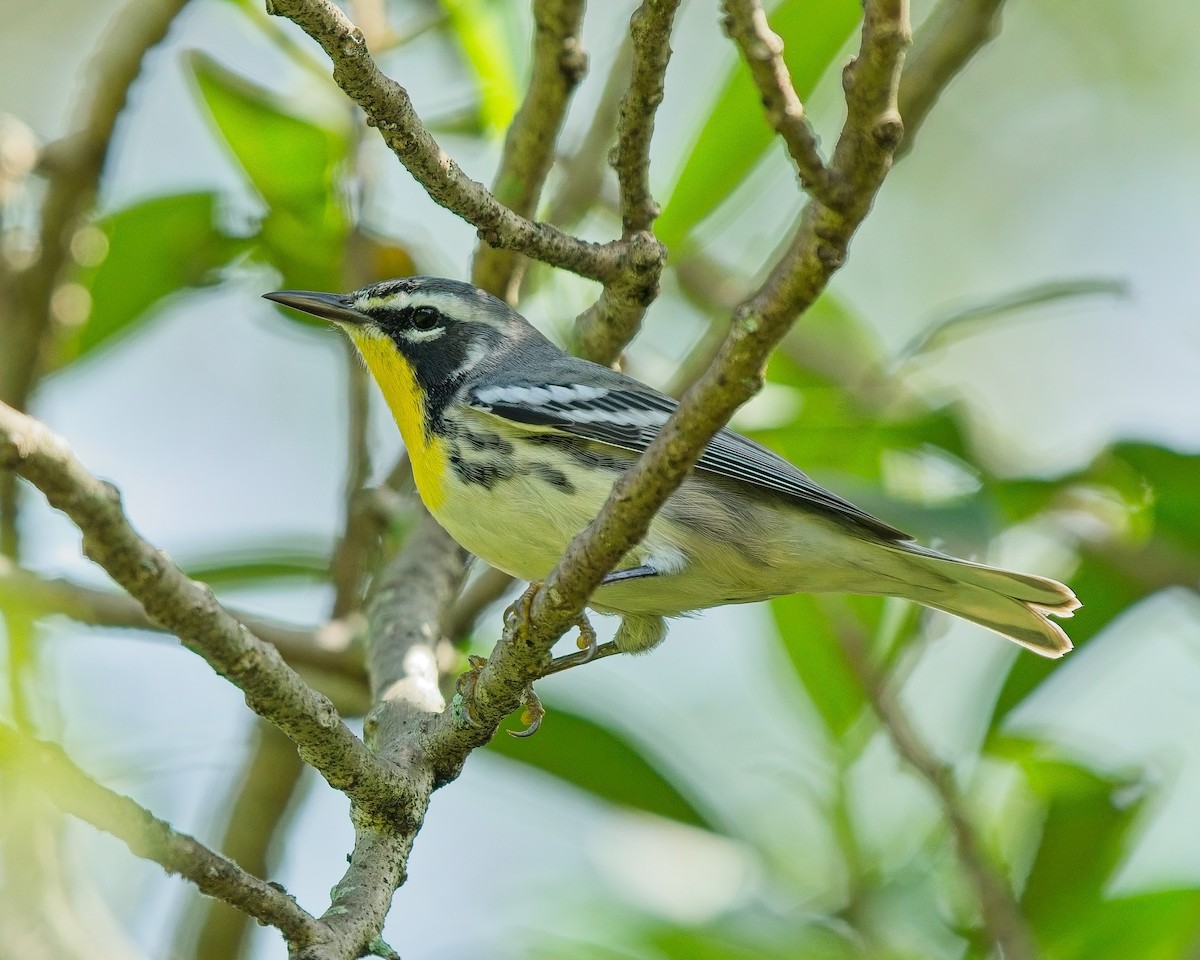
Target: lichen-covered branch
[[74, 792], [405, 628], [189, 610]]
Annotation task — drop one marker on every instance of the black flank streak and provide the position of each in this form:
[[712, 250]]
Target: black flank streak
[[485, 474], [556, 478], [490, 442], [583, 453]]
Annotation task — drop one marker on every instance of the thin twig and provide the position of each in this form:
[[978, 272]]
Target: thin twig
[[762, 49], [1001, 913], [603, 330], [650, 31], [950, 36], [74, 792], [388, 107], [348, 565], [266, 791], [331, 649], [559, 64], [189, 609]]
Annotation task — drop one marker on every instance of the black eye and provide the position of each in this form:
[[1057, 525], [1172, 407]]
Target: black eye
[[425, 318]]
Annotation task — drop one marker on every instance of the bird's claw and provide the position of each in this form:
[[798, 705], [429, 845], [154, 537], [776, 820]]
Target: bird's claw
[[515, 617], [586, 641], [465, 685], [533, 714]]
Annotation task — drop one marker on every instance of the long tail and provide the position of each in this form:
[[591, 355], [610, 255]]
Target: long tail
[[1015, 605]]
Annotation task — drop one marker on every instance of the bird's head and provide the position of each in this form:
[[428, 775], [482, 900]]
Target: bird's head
[[428, 329]]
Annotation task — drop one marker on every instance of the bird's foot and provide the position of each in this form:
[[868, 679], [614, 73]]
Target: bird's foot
[[516, 617], [465, 685], [533, 714]]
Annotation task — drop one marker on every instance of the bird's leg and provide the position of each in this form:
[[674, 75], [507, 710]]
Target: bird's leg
[[587, 655], [633, 573], [516, 616]]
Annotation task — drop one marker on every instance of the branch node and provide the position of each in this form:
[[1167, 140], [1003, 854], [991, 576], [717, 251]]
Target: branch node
[[888, 130]]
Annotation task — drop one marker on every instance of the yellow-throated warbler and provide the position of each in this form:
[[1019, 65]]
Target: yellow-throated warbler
[[515, 445]]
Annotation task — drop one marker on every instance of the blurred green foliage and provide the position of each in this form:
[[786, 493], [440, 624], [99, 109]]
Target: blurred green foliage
[[855, 419]]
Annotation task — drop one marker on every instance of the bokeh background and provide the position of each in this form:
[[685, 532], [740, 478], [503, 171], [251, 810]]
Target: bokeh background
[[1009, 367]]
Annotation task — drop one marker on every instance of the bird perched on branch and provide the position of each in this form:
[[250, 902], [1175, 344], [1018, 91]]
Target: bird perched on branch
[[515, 446]]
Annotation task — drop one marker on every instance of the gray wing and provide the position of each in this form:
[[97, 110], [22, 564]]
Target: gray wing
[[628, 415]]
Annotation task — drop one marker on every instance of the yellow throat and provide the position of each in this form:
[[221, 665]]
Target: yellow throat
[[396, 379]]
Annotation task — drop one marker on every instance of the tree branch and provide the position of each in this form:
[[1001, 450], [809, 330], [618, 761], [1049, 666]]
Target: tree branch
[[762, 49], [861, 162], [388, 108], [603, 330], [189, 609], [951, 35], [650, 31], [404, 615], [330, 649], [559, 64], [78, 163], [74, 792]]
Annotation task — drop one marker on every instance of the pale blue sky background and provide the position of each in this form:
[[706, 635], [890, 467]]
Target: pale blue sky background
[[1069, 149]]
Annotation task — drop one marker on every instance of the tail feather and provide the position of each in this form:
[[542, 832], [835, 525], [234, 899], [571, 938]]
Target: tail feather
[[1015, 605]]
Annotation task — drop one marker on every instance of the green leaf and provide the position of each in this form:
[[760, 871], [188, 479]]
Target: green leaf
[[303, 558], [1085, 838], [481, 32], [602, 762], [155, 248], [809, 627], [963, 322], [736, 134], [1164, 925], [294, 163]]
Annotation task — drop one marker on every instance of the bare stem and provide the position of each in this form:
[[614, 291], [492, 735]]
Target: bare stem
[[74, 792], [388, 108], [189, 609], [559, 64], [1001, 913], [762, 49]]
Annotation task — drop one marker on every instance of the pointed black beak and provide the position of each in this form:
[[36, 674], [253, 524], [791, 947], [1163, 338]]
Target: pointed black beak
[[328, 306]]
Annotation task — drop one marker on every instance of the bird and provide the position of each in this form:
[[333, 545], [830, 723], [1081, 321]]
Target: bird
[[515, 446]]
